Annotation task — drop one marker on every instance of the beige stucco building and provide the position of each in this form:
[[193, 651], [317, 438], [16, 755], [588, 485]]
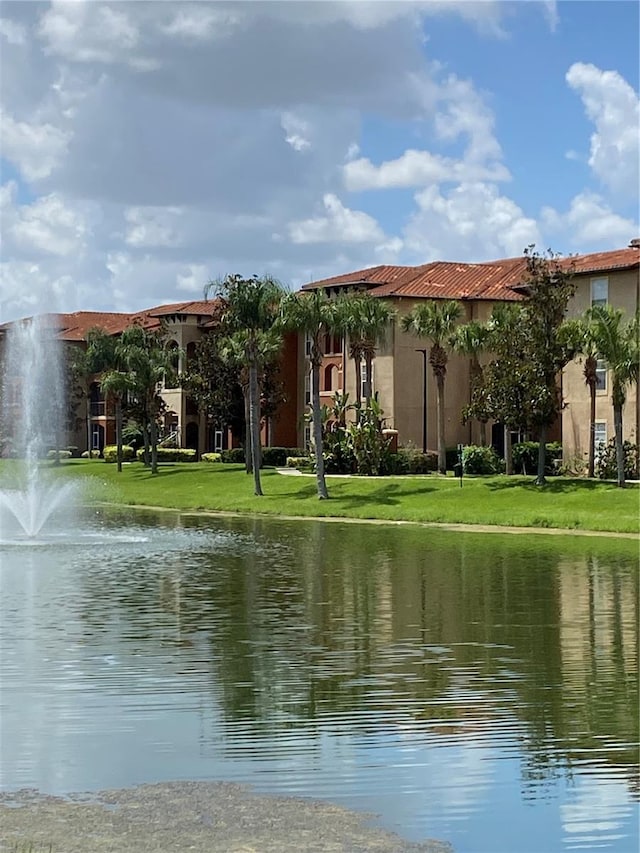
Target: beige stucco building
[[614, 278], [402, 377]]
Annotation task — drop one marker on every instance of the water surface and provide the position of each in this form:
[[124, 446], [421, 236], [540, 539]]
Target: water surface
[[478, 689]]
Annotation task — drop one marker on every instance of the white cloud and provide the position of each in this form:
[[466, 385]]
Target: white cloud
[[589, 225], [200, 22], [35, 148], [338, 225], [471, 222], [460, 112], [193, 280], [152, 227], [297, 131], [47, 226], [416, 169], [88, 32], [14, 33], [613, 106]]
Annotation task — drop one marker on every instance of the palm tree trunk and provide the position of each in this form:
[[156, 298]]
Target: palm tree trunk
[[119, 433], [592, 430], [254, 421], [153, 436], [617, 427], [323, 494], [248, 459], [442, 451], [368, 384], [145, 438], [542, 455], [508, 454]]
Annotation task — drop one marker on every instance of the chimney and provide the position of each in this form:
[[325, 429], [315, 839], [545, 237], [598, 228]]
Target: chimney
[[635, 243]]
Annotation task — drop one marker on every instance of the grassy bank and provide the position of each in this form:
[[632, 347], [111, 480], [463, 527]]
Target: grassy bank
[[511, 501]]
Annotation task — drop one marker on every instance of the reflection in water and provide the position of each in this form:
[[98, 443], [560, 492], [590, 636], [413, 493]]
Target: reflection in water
[[443, 681]]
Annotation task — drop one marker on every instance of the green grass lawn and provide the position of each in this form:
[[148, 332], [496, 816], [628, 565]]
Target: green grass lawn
[[512, 501]]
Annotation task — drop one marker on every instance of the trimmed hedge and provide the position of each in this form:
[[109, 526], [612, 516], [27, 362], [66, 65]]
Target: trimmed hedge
[[93, 454], [234, 455], [59, 454], [110, 453], [211, 457], [276, 457], [409, 460], [298, 462], [607, 463], [170, 454]]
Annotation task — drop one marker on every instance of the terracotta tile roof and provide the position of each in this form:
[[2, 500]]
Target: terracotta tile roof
[[446, 280], [602, 261], [371, 275], [74, 327], [197, 308]]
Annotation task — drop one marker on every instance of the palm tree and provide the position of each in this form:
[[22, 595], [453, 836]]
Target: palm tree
[[471, 339], [617, 344], [314, 315], [579, 336], [435, 321], [147, 362], [365, 319], [115, 385], [251, 307]]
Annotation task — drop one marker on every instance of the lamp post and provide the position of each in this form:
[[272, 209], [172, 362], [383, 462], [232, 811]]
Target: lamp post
[[424, 399]]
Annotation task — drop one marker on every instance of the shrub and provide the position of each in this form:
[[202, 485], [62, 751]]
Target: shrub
[[481, 460], [606, 465], [59, 454], [410, 460], [525, 457], [93, 454], [110, 453], [74, 451], [276, 457], [234, 455], [211, 457], [171, 454], [298, 462]]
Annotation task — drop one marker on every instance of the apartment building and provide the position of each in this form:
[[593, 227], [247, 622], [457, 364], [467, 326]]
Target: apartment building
[[402, 377]]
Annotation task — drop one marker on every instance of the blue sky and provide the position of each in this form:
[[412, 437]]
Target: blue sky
[[150, 146]]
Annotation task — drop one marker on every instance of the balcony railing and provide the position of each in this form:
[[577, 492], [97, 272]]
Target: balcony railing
[[97, 410]]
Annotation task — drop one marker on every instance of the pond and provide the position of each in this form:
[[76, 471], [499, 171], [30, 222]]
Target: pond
[[479, 689]]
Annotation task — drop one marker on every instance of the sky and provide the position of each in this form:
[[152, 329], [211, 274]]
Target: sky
[[147, 148]]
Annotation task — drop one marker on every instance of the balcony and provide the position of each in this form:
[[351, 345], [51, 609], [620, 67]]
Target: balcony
[[97, 409]]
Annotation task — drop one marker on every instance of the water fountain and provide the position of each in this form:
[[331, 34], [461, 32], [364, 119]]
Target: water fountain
[[33, 410]]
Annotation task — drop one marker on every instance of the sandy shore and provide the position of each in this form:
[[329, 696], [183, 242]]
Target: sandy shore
[[190, 816]]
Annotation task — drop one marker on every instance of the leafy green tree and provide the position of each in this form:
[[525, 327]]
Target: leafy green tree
[[102, 358], [548, 287], [365, 319], [314, 315], [616, 342], [436, 321], [250, 311]]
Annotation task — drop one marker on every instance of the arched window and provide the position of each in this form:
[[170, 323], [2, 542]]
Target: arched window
[[329, 374], [191, 352]]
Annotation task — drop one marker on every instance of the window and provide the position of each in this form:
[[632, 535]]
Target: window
[[600, 438], [307, 345], [307, 388], [601, 375], [217, 440], [329, 372], [599, 291], [363, 379]]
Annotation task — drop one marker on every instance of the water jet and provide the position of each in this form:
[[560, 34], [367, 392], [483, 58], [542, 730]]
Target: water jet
[[33, 414]]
